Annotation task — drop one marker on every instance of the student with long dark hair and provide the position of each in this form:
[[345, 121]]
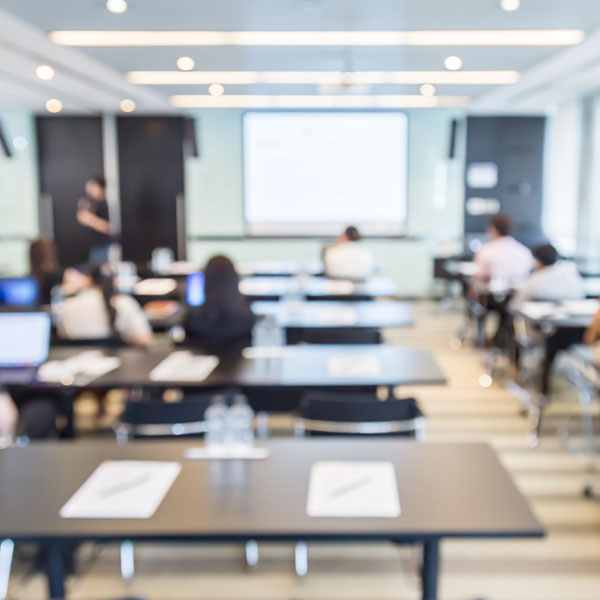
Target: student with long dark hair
[[94, 311], [225, 320], [44, 267]]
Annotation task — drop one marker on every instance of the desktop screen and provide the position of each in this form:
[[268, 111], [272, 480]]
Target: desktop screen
[[314, 172], [18, 292], [195, 289], [24, 339]]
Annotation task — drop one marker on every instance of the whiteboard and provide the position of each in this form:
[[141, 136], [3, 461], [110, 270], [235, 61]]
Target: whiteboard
[[315, 172]]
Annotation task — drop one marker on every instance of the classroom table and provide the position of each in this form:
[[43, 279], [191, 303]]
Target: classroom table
[[445, 491], [279, 268]]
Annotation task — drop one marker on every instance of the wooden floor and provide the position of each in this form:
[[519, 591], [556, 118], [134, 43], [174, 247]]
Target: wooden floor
[[563, 566]]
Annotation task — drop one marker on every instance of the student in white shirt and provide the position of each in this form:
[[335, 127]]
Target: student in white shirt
[[96, 312], [553, 279], [347, 259]]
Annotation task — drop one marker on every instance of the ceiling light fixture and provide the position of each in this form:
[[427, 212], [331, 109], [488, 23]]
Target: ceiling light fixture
[[322, 77], [216, 89], [53, 105], [185, 63], [45, 72], [453, 63], [127, 105], [494, 37], [510, 5], [117, 7], [427, 89], [315, 101]]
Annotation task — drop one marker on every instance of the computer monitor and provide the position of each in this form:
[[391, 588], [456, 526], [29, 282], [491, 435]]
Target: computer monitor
[[24, 339], [22, 292], [195, 289]]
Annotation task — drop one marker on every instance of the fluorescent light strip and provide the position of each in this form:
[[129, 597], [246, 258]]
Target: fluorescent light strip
[[317, 101], [524, 37], [321, 77]]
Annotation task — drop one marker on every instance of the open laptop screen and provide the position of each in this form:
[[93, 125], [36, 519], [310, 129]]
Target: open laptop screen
[[24, 339], [21, 292], [195, 289]]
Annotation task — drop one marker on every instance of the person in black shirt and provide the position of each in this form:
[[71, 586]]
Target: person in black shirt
[[92, 213], [224, 322]]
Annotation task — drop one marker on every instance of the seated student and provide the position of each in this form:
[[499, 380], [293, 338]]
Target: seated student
[[8, 415], [35, 418], [347, 259], [553, 279], [225, 320], [95, 312], [44, 267]]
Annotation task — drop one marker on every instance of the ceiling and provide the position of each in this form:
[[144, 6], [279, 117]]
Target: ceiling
[[92, 79]]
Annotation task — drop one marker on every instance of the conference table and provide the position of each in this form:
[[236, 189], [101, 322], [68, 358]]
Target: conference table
[[445, 491], [279, 268]]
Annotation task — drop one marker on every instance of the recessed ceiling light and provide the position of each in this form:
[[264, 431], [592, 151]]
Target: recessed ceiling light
[[20, 142], [127, 105], [45, 72], [116, 6], [495, 37], [216, 89], [53, 105], [185, 63], [315, 101], [427, 89], [322, 77], [453, 63], [510, 5]]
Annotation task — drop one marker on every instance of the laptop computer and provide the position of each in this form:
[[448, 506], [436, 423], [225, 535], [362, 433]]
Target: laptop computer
[[24, 345], [195, 289], [18, 292]]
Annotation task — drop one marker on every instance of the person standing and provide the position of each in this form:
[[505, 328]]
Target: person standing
[[93, 213]]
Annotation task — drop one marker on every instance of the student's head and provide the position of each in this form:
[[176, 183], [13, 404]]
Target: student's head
[[43, 257], [220, 279], [545, 255], [501, 226], [351, 234], [95, 187]]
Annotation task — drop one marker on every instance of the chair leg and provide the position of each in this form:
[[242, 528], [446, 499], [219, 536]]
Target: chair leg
[[301, 559], [127, 560], [252, 553], [7, 548]]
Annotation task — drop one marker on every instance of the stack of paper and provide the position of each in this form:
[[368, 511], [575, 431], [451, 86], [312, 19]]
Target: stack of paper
[[184, 366], [122, 489], [353, 489], [81, 369], [353, 366]]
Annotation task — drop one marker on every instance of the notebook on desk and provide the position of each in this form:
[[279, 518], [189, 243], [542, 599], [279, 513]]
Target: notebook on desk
[[24, 345]]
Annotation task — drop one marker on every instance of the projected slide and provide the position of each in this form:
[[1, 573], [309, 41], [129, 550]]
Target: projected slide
[[312, 173]]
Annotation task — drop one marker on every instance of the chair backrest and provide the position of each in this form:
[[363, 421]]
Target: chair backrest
[[164, 419], [338, 413], [334, 335]]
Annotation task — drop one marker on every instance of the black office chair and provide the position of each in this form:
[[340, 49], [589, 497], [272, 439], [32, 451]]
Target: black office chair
[[334, 335], [342, 414]]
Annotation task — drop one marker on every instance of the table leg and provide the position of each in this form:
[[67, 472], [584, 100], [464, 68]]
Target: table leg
[[429, 573], [55, 571]]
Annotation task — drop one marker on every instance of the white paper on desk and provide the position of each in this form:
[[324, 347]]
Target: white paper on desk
[[182, 267], [538, 310], [81, 369], [337, 316], [122, 489], [155, 287], [581, 307], [338, 286], [353, 489], [255, 287], [353, 366], [184, 366]]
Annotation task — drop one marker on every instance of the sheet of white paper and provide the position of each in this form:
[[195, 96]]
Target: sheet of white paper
[[182, 267], [255, 287], [353, 366], [184, 366], [340, 286], [122, 489], [337, 316], [353, 489], [581, 307], [82, 368], [155, 287], [252, 352], [538, 310], [226, 453]]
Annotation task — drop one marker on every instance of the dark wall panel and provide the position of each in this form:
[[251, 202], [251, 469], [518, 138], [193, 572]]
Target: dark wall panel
[[70, 151], [151, 178], [516, 146]]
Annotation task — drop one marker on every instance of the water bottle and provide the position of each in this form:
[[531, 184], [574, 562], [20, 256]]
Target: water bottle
[[267, 332], [215, 417], [240, 422]]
